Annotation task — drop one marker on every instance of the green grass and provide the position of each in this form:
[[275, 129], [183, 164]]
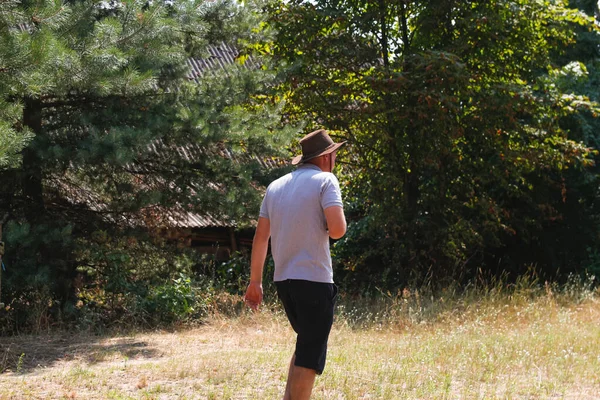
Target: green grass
[[529, 342]]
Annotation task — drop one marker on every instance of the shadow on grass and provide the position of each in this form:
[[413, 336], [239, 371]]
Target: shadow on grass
[[24, 354]]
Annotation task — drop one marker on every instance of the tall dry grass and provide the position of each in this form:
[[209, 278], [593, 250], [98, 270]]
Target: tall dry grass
[[529, 340]]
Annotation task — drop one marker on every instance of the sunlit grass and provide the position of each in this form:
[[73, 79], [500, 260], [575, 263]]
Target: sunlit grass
[[522, 342]]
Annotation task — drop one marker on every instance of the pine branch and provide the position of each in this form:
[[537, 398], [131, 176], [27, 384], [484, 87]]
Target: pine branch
[[140, 29], [36, 20], [76, 101]]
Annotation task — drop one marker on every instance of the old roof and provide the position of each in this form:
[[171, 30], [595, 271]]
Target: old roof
[[219, 57], [79, 194]]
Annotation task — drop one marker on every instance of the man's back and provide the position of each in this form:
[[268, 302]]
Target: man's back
[[294, 205], [299, 213]]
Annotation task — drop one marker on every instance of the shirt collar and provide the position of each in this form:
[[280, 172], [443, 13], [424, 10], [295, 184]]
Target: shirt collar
[[309, 166]]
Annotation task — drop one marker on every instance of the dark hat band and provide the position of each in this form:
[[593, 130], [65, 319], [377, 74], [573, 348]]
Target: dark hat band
[[315, 144]]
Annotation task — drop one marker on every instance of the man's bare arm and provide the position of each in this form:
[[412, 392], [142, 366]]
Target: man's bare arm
[[336, 221], [260, 244]]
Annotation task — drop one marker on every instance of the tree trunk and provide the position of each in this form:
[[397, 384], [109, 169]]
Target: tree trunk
[[1, 254], [233, 240], [404, 25], [31, 178]]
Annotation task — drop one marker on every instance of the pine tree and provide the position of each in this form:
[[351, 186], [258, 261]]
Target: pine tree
[[12, 140], [103, 91]]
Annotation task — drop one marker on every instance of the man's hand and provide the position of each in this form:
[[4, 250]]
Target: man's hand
[[254, 295]]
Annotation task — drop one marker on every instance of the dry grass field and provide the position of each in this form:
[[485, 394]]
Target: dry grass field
[[524, 346]]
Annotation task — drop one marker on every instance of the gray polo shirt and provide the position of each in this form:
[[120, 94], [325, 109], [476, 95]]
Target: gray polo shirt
[[294, 205]]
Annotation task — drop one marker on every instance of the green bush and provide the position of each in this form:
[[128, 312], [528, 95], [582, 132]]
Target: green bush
[[172, 301]]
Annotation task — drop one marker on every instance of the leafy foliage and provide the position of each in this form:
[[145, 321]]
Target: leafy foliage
[[461, 162]]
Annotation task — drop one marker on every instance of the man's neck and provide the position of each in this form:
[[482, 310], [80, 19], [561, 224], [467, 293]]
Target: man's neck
[[320, 163]]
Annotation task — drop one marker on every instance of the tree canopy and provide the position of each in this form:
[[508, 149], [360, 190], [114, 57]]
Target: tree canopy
[[106, 129], [462, 161], [472, 129]]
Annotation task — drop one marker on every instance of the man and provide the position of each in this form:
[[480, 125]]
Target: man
[[300, 212]]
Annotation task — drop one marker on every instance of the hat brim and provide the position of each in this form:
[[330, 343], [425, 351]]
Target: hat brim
[[300, 158]]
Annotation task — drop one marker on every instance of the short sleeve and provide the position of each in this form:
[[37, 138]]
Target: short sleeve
[[331, 195], [264, 210]]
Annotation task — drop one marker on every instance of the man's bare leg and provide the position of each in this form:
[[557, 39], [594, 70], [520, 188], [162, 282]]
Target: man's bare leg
[[300, 382], [288, 385]]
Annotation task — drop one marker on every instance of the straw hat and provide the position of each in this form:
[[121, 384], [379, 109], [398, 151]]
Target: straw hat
[[316, 144]]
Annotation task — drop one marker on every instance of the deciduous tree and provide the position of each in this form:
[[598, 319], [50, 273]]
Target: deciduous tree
[[459, 159]]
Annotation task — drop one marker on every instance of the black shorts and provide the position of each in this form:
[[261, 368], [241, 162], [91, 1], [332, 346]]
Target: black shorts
[[309, 308]]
